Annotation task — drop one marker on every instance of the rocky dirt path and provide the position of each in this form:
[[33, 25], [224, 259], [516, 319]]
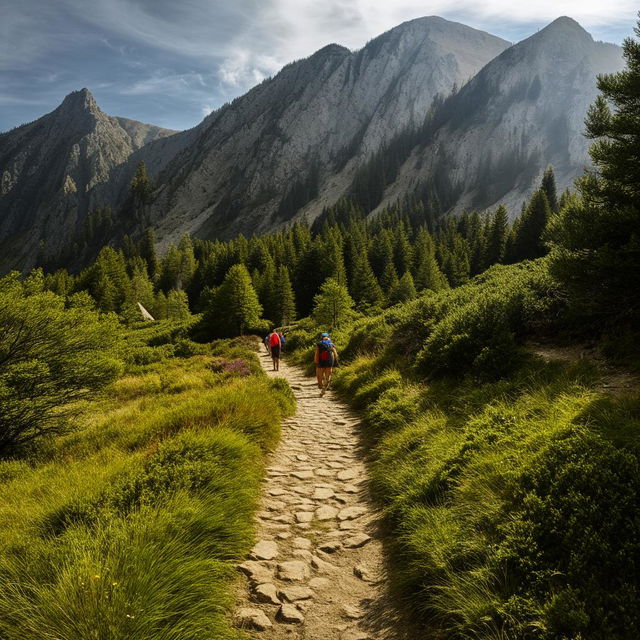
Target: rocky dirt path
[[317, 571]]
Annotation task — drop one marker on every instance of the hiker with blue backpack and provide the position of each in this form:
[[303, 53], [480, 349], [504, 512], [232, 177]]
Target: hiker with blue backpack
[[326, 357]]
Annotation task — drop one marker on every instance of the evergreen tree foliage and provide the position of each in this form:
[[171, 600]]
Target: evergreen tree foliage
[[332, 304], [148, 253], [389, 279], [177, 305], [233, 306], [497, 237], [596, 237], [529, 242], [141, 187], [187, 262], [404, 290], [363, 286], [549, 187], [285, 298]]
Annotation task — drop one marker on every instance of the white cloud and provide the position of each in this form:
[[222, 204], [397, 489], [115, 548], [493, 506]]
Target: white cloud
[[162, 82], [206, 110]]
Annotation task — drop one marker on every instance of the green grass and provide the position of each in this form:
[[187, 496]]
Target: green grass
[[131, 525], [509, 485]]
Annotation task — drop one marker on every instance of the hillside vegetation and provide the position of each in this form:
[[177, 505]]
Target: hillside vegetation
[[510, 484], [509, 481], [128, 522]]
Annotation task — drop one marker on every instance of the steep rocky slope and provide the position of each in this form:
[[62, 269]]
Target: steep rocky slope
[[50, 171], [524, 111], [294, 144], [255, 162]]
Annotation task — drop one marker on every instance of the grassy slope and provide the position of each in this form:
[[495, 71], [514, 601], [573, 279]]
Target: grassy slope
[[511, 484], [129, 527]]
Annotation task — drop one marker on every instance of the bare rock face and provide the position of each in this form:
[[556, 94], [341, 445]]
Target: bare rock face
[[259, 160], [50, 169], [522, 112], [292, 145]]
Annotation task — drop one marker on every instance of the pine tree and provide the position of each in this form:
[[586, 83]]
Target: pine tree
[[529, 242], [177, 305], [188, 262], [234, 305], [159, 308], [427, 274], [404, 290], [497, 240], [332, 304], [596, 238], [389, 279], [170, 269], [363, 285], [286, 302], [148, 252], [549, 187]]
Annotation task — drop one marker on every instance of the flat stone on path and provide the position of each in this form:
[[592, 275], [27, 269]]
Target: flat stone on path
[[319, 583], [265, 550], [356, 541], [267, 593], [320, 565], [293, 594], [301, 543], [351, 513], [303, 475], [348, 474], [288, 613], [326, 513], [304, 516], [256, 572], [322, 493], [253, 619], [293, 570]]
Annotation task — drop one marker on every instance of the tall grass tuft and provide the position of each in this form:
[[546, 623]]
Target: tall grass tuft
[[130, 527]]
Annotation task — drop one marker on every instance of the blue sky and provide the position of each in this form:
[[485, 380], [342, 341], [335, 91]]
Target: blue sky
[[171, 62]]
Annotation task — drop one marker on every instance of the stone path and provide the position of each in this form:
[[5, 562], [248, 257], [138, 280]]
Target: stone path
[[316, 572]]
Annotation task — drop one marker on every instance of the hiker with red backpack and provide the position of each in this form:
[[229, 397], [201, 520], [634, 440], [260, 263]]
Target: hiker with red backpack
[[326, 357], [275, 345]]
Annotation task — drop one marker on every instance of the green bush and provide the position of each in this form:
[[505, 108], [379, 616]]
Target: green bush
[[50, 357]]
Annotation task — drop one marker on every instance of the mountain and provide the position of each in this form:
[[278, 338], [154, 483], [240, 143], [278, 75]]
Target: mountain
[[50, 170], [322, 128], [525, 110], [255, 162]]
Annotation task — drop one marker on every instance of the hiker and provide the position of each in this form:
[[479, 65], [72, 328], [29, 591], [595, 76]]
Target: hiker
[[326, 357], [275, 346], [283, 340], [266, 341]]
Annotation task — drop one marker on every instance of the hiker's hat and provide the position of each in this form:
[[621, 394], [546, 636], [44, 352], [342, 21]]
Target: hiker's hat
[[325, 335]]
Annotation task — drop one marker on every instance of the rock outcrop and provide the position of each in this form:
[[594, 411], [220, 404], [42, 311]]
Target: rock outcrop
[[51, 171]]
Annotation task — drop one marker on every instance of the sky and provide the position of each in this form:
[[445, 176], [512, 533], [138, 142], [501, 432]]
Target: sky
[[171, 62]]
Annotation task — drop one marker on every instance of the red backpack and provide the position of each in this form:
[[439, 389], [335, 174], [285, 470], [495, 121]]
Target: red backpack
[[274, 341]]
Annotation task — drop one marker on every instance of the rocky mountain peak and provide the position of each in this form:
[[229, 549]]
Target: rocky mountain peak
[[79, 101], [563, 29]]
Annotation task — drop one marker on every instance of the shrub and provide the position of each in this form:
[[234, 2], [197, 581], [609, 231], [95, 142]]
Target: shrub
[[50, 357]]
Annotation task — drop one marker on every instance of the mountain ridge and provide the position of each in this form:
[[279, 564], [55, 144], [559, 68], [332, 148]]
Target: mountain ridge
[[293, 144]]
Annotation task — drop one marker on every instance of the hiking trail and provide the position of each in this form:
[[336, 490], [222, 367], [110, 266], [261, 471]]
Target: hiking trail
[[317, 570]]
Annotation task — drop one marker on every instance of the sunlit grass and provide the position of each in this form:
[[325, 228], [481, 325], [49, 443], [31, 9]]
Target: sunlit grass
[[130, 525]]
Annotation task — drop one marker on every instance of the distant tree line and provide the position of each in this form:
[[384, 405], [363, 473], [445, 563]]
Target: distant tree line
[[378, 261]]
